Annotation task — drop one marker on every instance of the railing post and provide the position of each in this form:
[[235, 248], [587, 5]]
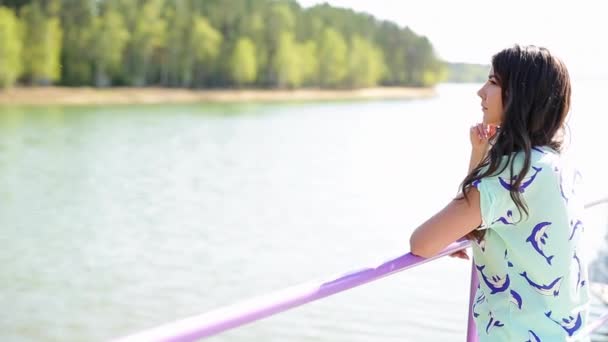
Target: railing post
[[471, 330]]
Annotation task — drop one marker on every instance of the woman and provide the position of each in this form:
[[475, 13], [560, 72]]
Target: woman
[[519, 206]]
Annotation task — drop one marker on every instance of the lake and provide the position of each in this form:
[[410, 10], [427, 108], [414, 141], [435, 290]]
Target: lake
[[116, 219]]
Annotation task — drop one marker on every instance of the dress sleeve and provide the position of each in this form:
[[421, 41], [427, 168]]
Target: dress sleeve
[[491, 199], [497, 207]]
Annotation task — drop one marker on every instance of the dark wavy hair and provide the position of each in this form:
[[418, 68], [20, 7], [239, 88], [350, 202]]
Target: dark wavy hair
[[536, 98]]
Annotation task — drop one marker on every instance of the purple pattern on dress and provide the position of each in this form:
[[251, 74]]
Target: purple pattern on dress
[[538, 150], [523, 185], [538, 239], [493, 323], [579, 282], [505, 220], [570, 324], [516, 299], [574, 227], [533, 337], [545, 290], [495, 283]]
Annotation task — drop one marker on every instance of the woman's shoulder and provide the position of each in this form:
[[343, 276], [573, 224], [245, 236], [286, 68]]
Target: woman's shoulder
[[545, 154], [542, 158]]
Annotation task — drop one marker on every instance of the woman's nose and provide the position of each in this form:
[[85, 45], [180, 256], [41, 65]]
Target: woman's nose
[[480, 92]]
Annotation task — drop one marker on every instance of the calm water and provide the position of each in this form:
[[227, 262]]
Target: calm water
[[116, 219]]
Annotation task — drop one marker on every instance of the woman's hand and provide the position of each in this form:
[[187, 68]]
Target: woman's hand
[[480, 135], [462, 254]]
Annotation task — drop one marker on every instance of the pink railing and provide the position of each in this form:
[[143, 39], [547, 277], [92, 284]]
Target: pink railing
[[226, 318]]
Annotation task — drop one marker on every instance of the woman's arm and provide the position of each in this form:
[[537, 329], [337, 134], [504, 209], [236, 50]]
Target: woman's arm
[[459, 217], [456, 220]]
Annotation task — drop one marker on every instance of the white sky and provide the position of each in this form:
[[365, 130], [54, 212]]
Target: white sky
[[473, 30]]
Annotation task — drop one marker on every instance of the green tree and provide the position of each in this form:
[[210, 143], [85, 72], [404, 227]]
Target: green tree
[[465, 72], [332, 58], [233, 19], [243, 62], [15, 5], [366, 63], [108, 40], [41, 46], [279, 19], [395, 44], [426, 69], [192, 43], [287, 62], [76, 21], [309, 64], [205, 45], [295, 63], [148, 35], [191, 49], [10, 48], [254, 29], [176, 69]]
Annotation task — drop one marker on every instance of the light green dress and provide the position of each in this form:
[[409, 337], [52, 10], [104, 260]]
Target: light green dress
[[532, 274]]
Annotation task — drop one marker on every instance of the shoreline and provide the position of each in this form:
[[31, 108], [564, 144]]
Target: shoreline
[[42, 96]]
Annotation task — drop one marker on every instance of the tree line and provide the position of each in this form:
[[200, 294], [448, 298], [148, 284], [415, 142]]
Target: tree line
[[467, 73], [207, 44]]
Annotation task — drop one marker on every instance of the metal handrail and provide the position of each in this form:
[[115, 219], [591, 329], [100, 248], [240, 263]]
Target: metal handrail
[[596, 202], [233, 316], [217, 321]]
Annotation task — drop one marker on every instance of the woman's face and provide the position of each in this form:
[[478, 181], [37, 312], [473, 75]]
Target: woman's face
[[491, 100]]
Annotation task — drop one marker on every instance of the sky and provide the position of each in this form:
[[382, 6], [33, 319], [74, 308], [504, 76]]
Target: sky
[[473, 30]]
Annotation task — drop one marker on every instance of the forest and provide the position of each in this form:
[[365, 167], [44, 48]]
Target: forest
[[274, 44]]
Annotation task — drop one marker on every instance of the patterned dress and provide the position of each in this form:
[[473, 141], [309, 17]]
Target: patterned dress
[[532, 274]]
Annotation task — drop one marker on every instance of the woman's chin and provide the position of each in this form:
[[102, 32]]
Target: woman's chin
[[487, 121]]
